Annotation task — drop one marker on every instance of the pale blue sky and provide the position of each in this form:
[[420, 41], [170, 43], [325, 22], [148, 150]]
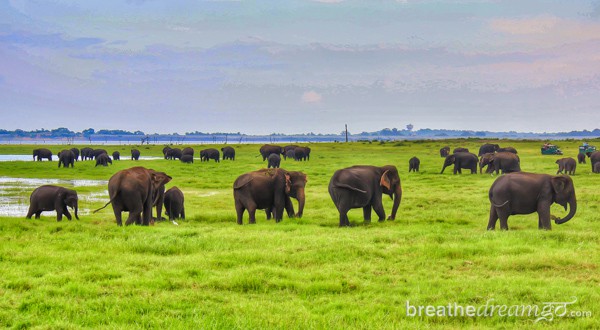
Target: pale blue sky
[[300, 66]]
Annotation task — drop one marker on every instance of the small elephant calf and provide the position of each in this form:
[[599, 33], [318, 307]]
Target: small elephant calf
[[174, 204], [50, 198], [413, 164], [274, 161], [567, 165]]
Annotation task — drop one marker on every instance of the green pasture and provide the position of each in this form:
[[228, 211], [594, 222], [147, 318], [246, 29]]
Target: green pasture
[[209, 272]]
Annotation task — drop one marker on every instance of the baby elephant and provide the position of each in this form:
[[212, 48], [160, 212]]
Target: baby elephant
[[174, 204], [567, 165], [274, 161], [103, 160], [187, 158], [50, 198], [413, 164]]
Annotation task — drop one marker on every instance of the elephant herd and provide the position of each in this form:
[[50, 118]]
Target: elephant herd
[[68, 157]]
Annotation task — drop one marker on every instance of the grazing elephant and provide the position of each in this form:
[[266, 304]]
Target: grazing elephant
[[461, 160], [86, 153], [116, 155], [188, 151], [97, 152], [460, 150], [274, 161], [187, 159], [302, 153], [50, 198], [268, 149], [228, 153], [507, 149], [488, 148], [594, 158], [66, 158], [287, 149], [42, 153], [135, 154], [581, 158], [103, 159], [269, 190], [165, 151], [506, 162], [568, 165], [76, 153], [445, 151], [413, 164], [135, 190], [173, 202], [596, 168], [363, 186], [208, 154], [290, 154], [173, 153], [526, 193]]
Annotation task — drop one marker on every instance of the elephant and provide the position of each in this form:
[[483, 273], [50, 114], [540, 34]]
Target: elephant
[[86, 153], [42, 153], [594, 158], [211, 153], [290, 154], [568, 165], [228, 153], [507, 149], [274, 161], [460, 150], [76, 153], [488, 148], [173, 203], [268, 149], [287, 149], [526, 193], [269, 190], [135, 190], [103, 160], [173, 153], [50, 198], [187, 159], [66, 158], [188, 151], [581, 158], [302, 153], [97, 152], [445, 151], [363, 186], [413, 164], [596, 168], [116, 155], [135, 154], [506, 162], [165, 151], [461, 160]]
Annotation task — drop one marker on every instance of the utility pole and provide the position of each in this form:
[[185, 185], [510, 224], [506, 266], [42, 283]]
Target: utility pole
[[346, 133]]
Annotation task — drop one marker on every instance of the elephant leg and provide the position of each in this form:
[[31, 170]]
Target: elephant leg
[[289, 207], [134, 217], [493, 218], [367, 213], [37, 214], [544, 216], [117, 213], [59, 215], [29, 213], [239, 210], [182, 213], [252, 214], [344, 222], [268, 213], [379, 210], [67, 214]]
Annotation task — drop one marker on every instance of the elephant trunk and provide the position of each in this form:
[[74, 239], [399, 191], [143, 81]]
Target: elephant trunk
[[443, 168], [301, 201], [397, 198], [76, 209], [572, 210]]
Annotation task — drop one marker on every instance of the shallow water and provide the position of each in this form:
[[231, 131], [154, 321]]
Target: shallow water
[[29, 158]]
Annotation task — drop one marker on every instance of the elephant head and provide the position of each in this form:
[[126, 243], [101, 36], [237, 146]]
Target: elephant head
[[296, 181], [449, 161], [158, 179], [390, 185], [486, 160], [69, 197], [564, 193]]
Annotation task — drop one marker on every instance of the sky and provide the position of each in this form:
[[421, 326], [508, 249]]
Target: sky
[[300, 66]]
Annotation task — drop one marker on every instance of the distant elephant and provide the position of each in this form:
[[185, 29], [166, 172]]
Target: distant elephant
[[268, 149], [594, 158], [413, 164], [505, 162], [228, 153], [460, 150], [173, 153], [165, 151], [302, 153], [135, 190], [526, 193], [568, 165], [187, 159], [287, 149], [135, 154], [461, 160], [188, 151], [97, 152], [66, 158], [50, 198], [42, 153], [76, 153], [270, 190], [596, 168], [173, 202], [86, 153], [274, 161], [507, 149], [290, 154], [208, 154], [445, 151], [581, 158], [488, 148], [116, 155], [103, 160]]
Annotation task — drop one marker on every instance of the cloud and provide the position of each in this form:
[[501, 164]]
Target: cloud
[[311, 97], [328, 1], [534, 25]]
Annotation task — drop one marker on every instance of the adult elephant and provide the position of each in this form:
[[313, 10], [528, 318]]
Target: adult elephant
[[42, 153], [228, 153], [461, 160], [188, 159], [288, 148], [488, 148], [413, 164], [568, 165], [594, 158], [268, 149], [505, 162], [507, 149], [188, 151], [103, 159], [526, 193], [445, 151], [208, 154], [363, 187], [581, 158], [66, 158], [50, 198], [302, 153], [274, 161], [97, 152], [173, 202], [86, 153], [116, 155], [135, 154], [135, 190], [173, 153], [460, 150], [165, 151], [76, 153], [291, 154], [596, 168]]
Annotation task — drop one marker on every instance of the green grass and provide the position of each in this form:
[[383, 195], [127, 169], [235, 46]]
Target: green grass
[[208, 272]]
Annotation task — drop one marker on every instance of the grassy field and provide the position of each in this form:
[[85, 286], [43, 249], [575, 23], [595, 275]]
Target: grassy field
[[209, 272]]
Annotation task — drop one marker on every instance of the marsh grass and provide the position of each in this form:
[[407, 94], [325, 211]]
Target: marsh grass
[[208, 272]]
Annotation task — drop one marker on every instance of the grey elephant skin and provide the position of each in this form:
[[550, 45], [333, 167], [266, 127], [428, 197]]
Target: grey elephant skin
[[287, 149], [363, 186], [460, 150], [566, 165], [86, 153], [507, 149], [526, 193], [487, 148], [594, 158], [66, 158], [42, 153], [135, 154], [116, 155], [596, 168], [174, 204], [50, 198], [461, 160], [228, 153], [97, 152], [505, 162], [274, 161], [581, 158], [268, 149], [445, 151], [76, 153], [187, 159], [103, 160], [173, 153], [208, 154], [414, 164], [135, 190], [188, 151], [302, 153]]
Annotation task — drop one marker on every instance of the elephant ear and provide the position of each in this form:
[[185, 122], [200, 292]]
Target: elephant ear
[[558, 184], [160, 178], [385, 180], [242, 181], [288, 183]]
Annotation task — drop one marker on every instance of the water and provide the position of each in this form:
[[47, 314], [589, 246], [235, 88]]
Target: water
[[29, 158]]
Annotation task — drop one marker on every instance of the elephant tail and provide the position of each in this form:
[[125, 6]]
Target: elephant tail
[[105, 205], [345, 186], [500, 205]]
